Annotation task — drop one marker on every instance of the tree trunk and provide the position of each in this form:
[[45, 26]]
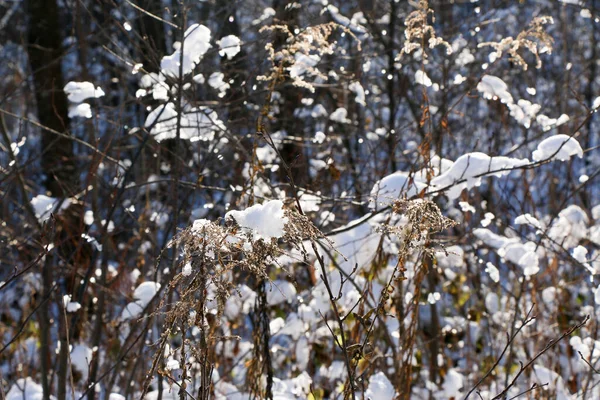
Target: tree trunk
[[44, 48]]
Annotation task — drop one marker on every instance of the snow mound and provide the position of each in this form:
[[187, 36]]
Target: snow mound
[[395, 186], [471, 167], [558, 147], [494, 88], [262, 220], [229, 46], [195, 45], [80, 91]]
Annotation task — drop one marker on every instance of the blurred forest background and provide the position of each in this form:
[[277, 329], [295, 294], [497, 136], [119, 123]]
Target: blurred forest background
[[127, 125]]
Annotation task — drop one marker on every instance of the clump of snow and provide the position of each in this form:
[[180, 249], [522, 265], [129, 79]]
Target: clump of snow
[[215, 80], [302, 64], [196, 123], [187, 269], [453, 383], [280, 292], [82, 110], [570, 226], [359, 91], [492, 239], [488, 218], [524, 111], [528, 219], [464, 57], [145, 292], [26, 389], [522, 255], [395, 186], [493, 272], [580, 254], [70, 306], [548, 123], [80, 91], [229, 46], [81, 357], [494, 88], [549, 380], [266, 14], [262, 220], [471, 168], [340, 115], [142, 295], [320, 137], [421, 78], [44, 205], [195, 45], [558, 147], [380, 387]]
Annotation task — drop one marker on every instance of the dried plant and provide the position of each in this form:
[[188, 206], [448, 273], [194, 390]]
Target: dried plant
[[419, 33], [211, 254], [301, 52], [534, 38]]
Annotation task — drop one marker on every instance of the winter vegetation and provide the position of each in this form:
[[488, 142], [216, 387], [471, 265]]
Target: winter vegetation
[[321, 199]]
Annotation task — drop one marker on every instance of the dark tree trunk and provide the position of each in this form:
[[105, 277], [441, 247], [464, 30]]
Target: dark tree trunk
[[153, 33], [44, 46]]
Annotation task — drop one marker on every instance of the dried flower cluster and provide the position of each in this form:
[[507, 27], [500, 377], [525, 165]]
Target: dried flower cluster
[[534, 38], [419, 33], [301, 53]]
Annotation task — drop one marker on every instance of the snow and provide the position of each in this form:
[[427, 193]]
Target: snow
[[548, 123], [524, 112], [552, 381], [580, 254], [380, 387], [215, 80], [464, 57], [422, 79], [81, 357], [320, 137], [187, 269], [263, 221], [82, 110], [453, 383], [26, 389], [528, 219], [229, 46], [494, 88], [472, 167], [350, 23], [196, 123], [302, 64], [558, 147], [70, 306], [393, 187], [359, 91], [340, 115], [491, 239], [80, 91], [195, 45], [522, 255], [142, 295], [145, 292], [492, 271], [488, 218], [44, 205]]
